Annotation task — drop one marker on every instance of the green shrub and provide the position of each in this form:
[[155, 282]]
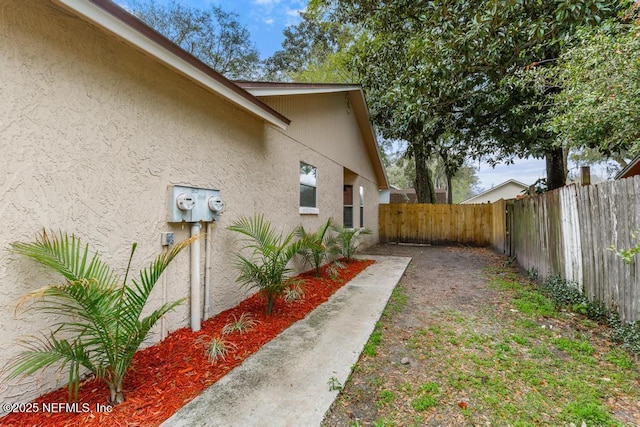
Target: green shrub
[[596, 310], [566, 294], [101, 328], [563, 293], [317, 247], [266, 266], [348, 240], [628, 335]]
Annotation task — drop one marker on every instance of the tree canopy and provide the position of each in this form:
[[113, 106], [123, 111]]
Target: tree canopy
[[313, 51], [599, 104], [439, 71], [213, 36]]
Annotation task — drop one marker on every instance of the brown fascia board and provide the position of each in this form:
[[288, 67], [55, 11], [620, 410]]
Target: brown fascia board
[[136, 24], [246, 84], [633, 168]]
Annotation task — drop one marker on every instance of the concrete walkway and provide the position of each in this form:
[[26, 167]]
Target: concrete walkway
[[286, 383]]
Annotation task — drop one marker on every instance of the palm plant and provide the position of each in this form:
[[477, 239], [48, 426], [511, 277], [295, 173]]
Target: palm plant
[[101, 328], [317, 247], [348, 240], [266, 266]]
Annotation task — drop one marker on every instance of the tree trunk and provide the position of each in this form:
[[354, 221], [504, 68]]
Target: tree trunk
[[116, 395], [449, 190], [556, 177], [271, 300], [432, 189], [424, 183]]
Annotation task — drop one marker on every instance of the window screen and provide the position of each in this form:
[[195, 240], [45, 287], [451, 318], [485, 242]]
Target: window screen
[[308, 182]]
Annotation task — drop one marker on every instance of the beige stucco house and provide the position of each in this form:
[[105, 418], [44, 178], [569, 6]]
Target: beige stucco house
[[101, 116], [509, 189]]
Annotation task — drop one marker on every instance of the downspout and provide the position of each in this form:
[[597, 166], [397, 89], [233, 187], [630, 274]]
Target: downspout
[[195, 278], [207, 271]]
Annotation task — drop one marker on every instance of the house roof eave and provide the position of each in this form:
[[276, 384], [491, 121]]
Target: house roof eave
[[633, 164], [115, 20]]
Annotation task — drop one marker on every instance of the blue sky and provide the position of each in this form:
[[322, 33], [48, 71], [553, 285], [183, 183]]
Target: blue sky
[[265, 19]]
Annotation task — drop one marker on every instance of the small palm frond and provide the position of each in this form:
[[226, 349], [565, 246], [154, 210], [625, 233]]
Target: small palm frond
[[348, 240], [265, 267], [136, 294], [44, 352], [317, 247], [259, 235], [102, 315], [67, 256], [334, 269]]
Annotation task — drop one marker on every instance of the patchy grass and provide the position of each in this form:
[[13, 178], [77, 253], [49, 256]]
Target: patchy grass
[[397, 302], [370, 348], [517, 362]]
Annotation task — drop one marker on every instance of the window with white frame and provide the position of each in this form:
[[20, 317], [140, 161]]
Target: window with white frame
[[308, 188]]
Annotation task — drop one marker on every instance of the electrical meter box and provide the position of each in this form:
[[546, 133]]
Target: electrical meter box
[[192, 204]]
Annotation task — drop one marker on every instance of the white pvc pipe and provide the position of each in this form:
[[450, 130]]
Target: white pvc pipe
[[207, 272], [195, 279]]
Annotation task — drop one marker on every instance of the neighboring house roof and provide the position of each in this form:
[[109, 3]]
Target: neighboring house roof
[[632, 169], [358, 103], [490, 194], [114, 19]]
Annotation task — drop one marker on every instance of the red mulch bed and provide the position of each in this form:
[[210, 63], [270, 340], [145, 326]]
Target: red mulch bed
[[166, 376]]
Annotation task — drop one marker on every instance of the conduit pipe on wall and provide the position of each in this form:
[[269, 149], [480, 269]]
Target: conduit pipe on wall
[[207, 271], [195, 278]]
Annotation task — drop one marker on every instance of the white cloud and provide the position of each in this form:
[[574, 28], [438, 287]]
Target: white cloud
[[292, 16], [269, 3], [268, 21]]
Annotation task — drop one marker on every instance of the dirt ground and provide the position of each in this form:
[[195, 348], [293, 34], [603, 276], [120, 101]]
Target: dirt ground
[[442, 287], [438, 280]]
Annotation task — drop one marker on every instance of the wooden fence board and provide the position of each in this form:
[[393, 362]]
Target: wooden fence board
[[428, 223], [567, 232]]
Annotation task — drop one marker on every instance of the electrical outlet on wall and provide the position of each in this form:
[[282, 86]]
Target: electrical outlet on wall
[[166, 239]]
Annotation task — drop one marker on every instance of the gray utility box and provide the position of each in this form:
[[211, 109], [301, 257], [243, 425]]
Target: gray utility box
[[191, 204]]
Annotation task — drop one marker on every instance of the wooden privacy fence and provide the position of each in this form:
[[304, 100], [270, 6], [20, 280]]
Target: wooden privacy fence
[[566, 233], [438, 224]]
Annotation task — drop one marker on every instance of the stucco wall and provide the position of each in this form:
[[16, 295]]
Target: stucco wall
[[326, 124], [93, 131]]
